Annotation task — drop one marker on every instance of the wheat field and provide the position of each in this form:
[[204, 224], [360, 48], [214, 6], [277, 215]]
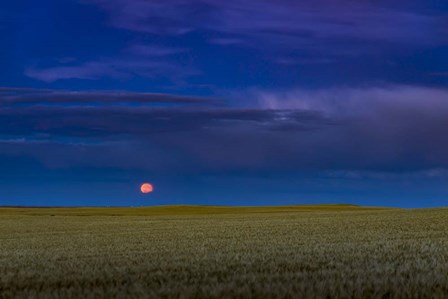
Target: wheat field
[[328, 251]]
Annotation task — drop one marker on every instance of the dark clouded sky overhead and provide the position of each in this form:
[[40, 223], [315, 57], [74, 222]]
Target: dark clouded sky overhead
[[224, 102]]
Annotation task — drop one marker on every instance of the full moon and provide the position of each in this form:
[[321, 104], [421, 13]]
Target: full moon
[[146, 188]]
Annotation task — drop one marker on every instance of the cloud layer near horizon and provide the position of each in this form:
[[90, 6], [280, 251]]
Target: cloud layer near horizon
[[387, 129]]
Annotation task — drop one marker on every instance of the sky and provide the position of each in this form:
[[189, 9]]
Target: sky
[[254, 102]]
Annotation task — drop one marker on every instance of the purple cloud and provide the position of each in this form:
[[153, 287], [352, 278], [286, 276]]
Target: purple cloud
[[292, 24], [289, 32]]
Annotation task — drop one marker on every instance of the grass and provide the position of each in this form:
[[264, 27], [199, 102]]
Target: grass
[[336, 251]]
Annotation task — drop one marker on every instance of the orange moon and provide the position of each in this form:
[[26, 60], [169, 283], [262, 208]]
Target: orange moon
[[146, 188]]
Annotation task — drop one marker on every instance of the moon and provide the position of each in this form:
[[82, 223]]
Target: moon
[[146, 188]]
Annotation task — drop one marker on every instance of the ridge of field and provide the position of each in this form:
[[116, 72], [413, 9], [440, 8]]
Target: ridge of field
[[181, 210]]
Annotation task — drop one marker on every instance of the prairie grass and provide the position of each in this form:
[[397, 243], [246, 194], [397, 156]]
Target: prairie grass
[[336, 251]]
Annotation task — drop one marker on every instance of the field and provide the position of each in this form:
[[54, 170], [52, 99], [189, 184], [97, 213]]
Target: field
[[335, 251]]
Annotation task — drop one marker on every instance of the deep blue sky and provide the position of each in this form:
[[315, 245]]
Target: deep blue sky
[[253, 102]]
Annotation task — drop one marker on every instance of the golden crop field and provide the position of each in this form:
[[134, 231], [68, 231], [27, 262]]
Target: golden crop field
[[335, 251]]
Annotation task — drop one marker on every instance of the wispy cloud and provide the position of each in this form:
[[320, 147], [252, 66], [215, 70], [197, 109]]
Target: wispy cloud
[[295, 24], [169, 39], [139, 59], [223, 41], [439, 74], [89, 70], [154, 50]]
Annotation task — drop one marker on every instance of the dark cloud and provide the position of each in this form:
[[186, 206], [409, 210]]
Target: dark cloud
[[30, 96], [138, 121], [398, 129]]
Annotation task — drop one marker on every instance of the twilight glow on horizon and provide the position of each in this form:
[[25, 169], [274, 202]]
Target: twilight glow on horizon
[[224, 102]]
